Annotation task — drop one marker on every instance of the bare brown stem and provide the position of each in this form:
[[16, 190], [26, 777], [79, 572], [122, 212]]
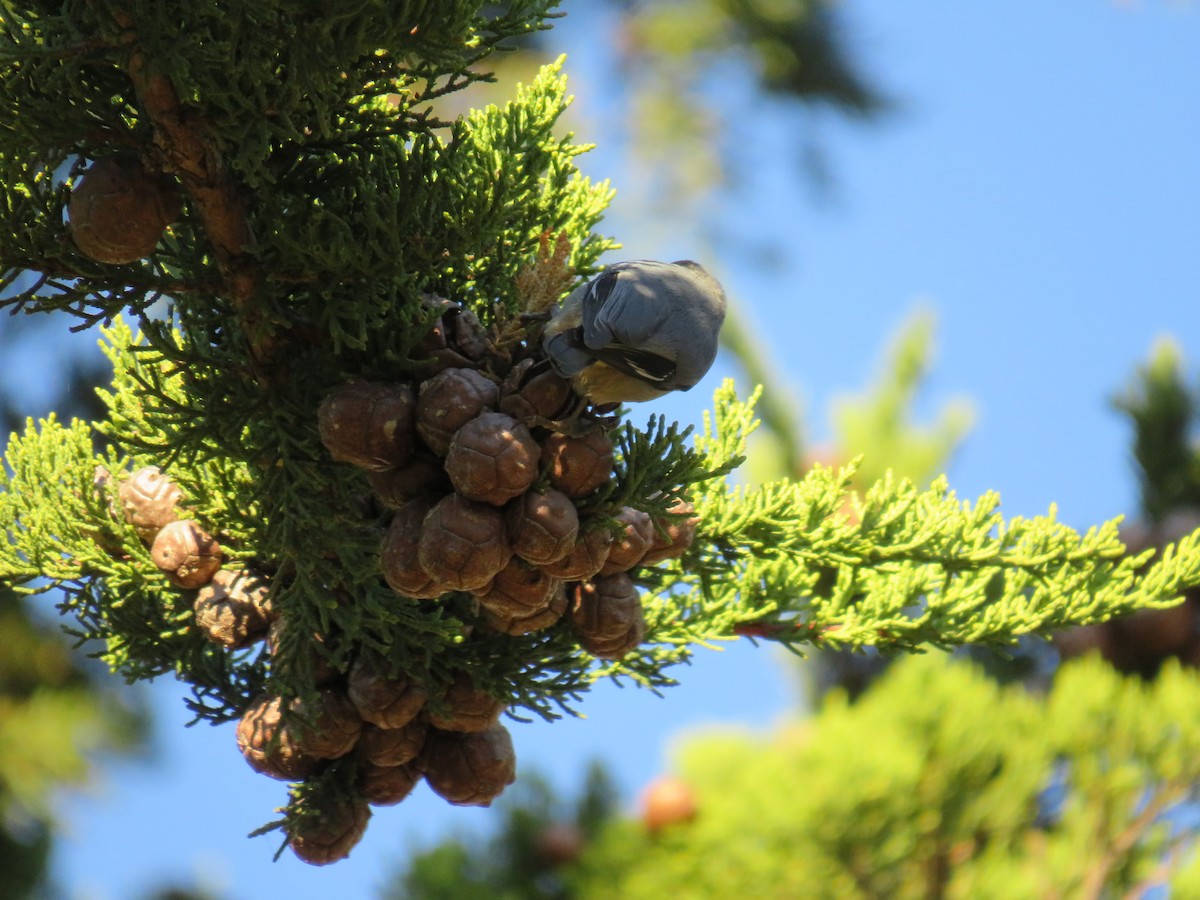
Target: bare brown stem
[[194, 157]]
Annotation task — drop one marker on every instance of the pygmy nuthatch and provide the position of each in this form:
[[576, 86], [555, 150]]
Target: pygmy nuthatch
[[637, 331]]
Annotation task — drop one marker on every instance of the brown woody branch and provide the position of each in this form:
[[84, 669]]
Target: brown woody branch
[[193, 156]]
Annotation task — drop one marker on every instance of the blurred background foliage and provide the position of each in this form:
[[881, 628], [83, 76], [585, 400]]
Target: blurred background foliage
[[61, 714]]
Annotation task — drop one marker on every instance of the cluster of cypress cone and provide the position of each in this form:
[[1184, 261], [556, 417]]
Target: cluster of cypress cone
[[486, 497], [485, 494], [232, 604]]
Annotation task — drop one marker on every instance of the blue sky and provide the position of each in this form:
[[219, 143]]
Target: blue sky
[[1039, 189]]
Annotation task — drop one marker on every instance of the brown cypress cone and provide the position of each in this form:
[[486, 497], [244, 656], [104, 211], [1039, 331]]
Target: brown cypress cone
[[469, 769], [537, 395], [369, 424], [678, 532], [585, 559], [535, 620], [331, 728], [398, 556], [118, 210], [519, 592], [492, 459], [542, 526], [578, 465], [149, 501], [448, 401], [607, 616], [463, 543], [456, 340], [464, 708], [233, 609], [186, 553], [391, 746], [269, 745], [330, 827], [631, 543], [382, 700], [387, 785], [422, 476]]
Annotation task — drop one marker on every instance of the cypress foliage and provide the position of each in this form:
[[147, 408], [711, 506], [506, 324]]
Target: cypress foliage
[[331, 230]]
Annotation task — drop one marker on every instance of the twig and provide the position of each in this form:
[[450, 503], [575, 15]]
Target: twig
[[193, 156]]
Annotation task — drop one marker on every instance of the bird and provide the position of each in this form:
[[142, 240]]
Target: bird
[[637, 331]]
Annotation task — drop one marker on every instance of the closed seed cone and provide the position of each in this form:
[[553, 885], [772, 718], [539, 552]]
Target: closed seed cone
[[607, 616], [118, 211], [398, 555], [269, 744], [331, 728], [578, 465], [536, 393], [369, 424], [391, 746], [423, 476], [149, 500], [387, 785], [463, 544], [543, 526], [469, 769], [492, 459], [448, 401], [585, 558], [335, 822], [464, 707], [631, 543], [533, 620], [519, 592], [187, 554], [675, 534], [233, 609], [382, 699]]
